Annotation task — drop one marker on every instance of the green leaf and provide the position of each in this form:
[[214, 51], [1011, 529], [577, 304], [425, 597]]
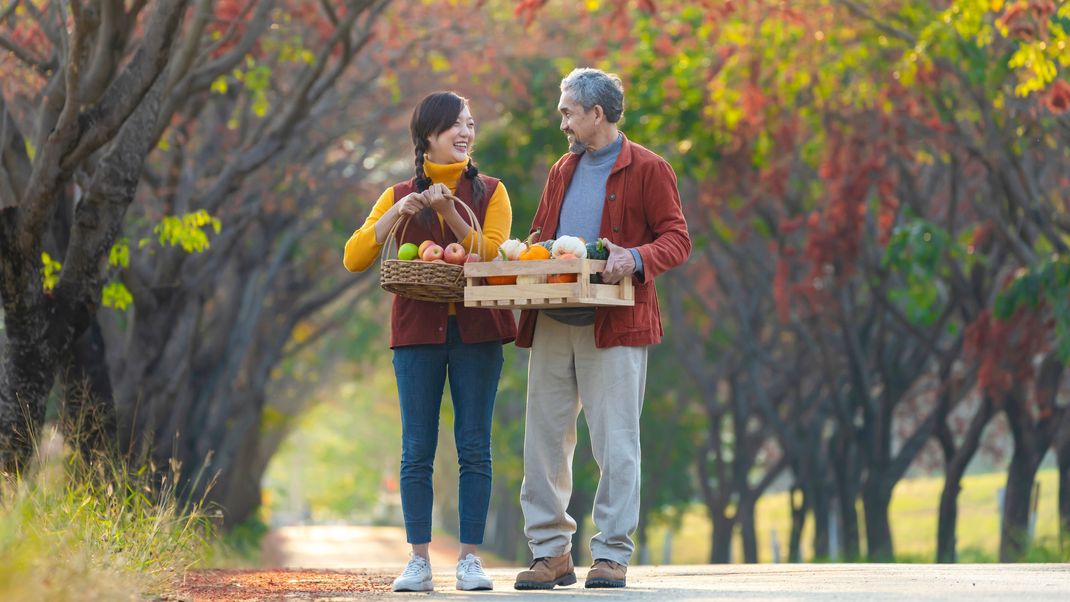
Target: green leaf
[[187, 231], [116, 295], [260, 104], [119, 255], [219, 85], [49, 272], [439, 63]]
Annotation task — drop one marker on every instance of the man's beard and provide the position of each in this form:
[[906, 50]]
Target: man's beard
[[576, 147]]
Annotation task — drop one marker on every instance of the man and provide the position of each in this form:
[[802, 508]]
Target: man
[[605, 187]]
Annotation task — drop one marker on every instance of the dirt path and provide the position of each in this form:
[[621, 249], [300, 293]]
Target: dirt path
[[319, 562]]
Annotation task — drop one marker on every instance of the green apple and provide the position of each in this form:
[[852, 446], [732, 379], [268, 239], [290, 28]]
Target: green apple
[[408, 251]]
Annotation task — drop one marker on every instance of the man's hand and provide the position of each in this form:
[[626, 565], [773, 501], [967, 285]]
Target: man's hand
[[620, 263], [438, 198]]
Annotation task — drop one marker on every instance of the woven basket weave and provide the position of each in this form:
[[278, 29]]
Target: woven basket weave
[[422, 280]]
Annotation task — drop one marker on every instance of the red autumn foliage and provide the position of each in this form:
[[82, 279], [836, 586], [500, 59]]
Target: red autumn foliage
[[1027, 20], [1058, 97], [1018, 20], [1005, 348]]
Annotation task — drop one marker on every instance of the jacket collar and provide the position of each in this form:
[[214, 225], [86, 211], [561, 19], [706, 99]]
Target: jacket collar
[[567, 170], [624, 159]]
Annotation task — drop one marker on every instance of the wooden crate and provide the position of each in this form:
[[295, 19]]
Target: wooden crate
[[539, 294]]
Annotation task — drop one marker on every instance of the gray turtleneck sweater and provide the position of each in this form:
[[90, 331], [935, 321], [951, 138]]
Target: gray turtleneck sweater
[[581, 215]]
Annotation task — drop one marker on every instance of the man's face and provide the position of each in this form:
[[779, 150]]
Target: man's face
[[579, 125]]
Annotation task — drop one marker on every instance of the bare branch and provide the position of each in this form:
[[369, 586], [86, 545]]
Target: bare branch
[[186, 52], [112, 32], [202, 77], [126, 91], [74, 139]]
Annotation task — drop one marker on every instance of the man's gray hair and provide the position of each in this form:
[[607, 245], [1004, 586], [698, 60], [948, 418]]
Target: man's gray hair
[[591, 87]]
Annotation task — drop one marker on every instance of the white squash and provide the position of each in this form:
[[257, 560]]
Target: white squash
[[569, 244], [513, 248]]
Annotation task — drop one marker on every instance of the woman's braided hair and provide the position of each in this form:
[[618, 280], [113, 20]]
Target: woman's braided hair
[[435, 114]]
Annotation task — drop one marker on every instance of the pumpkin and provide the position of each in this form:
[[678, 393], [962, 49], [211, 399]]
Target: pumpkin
[[562, 278], [535, 252], [495, 280], [573, 245]]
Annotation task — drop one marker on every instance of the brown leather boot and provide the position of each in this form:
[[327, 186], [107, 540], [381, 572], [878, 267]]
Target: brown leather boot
[[545, 573], [606, 573]]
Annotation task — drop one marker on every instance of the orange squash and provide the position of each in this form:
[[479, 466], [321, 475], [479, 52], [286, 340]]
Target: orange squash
[[562, 278], [535, 252], [495, 280]]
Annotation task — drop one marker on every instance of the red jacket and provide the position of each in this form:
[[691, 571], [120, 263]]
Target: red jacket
[[641, 211], [415, 322]]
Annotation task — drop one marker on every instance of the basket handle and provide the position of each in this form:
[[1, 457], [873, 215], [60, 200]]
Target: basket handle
[[390, 245]]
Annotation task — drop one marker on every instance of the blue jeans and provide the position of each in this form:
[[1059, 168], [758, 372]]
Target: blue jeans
[[474, 370]]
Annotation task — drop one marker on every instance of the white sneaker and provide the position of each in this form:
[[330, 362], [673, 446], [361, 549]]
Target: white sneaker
[[416, 577], [470, 575]]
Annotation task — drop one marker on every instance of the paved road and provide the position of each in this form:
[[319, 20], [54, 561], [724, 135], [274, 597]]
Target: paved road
[[340, 562], [866, 582]]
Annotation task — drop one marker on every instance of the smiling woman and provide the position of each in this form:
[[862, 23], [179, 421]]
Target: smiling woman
[[433, 339]]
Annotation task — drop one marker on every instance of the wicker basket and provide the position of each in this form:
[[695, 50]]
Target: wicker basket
[[422, 280]]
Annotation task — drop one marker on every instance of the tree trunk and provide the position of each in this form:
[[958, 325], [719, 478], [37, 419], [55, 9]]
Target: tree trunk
[[1031, 441], [875, 501], [721, 540], [799, 507], [954, 468], [747, 531], [947, 521], [1014, 535], [821, 516], [87, 407], [844, 472], [25, 380]]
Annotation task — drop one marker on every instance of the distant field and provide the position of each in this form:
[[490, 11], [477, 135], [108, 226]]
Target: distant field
[[913, 517]]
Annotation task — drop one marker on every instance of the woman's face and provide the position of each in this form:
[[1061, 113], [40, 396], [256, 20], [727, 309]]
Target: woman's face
[[455, 143]]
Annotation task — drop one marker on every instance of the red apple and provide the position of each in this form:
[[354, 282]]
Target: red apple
[[472, 257], [431, 252], [454, 253], [423, 247], [439, 261]]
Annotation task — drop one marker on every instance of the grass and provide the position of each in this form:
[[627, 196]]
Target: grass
[[72, 531], [913, 518]]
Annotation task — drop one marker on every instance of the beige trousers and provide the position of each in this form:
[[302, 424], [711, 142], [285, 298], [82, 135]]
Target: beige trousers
[[566, 371]]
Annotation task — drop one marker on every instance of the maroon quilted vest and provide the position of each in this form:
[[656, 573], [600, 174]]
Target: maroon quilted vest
[[415, 322]]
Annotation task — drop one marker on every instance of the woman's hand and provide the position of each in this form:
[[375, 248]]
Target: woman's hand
[[411, 203], [439, 198]]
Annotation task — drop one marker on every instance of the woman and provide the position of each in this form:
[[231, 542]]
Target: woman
[[431, 340]]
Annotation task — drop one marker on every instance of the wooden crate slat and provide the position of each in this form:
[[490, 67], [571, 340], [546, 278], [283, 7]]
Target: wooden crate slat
[[541, 266], [541, 295]]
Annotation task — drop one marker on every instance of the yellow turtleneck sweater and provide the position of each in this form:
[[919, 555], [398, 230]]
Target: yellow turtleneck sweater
[[362, 250]]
